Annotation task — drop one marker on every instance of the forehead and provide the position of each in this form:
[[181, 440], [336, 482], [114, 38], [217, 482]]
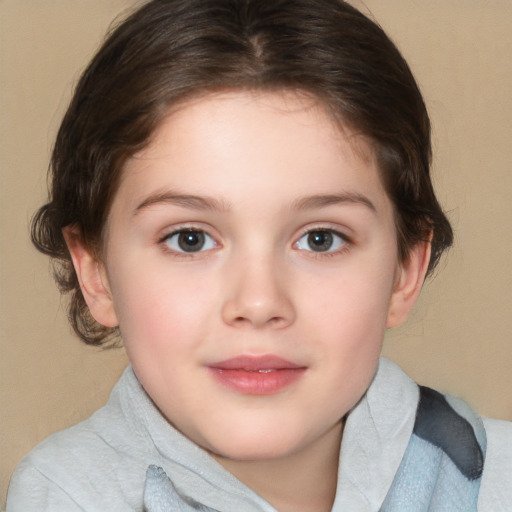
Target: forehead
[[297, 107], [241, 144]]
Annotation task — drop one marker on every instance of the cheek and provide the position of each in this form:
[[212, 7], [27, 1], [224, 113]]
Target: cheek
[[349, 332], [348, 314], [163, 311], [163, 323], [354, 298]]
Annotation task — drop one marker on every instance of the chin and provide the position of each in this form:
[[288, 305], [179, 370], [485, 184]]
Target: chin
[[256, 446], [251, 453]]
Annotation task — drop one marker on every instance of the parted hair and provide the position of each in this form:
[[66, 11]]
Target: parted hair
[[170, 50]]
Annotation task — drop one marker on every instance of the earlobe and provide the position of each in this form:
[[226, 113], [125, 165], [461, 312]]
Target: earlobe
[[408, 283], [92, 278]]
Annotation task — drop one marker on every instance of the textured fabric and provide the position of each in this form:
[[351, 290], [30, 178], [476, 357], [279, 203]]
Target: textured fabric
[[456, 436], [496, 487], [161, 495], [441, 469], [103, 463], [443, 465]]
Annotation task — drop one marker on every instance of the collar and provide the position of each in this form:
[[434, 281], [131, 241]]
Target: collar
[[375, 438]]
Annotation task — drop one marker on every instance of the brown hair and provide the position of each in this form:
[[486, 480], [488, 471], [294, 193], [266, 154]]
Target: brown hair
[[169, 50]]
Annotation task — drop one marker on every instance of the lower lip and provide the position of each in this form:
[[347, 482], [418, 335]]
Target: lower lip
[[258, 383]]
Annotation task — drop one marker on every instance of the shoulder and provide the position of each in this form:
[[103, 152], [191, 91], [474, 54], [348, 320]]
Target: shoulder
[[78, 468], [61, 472], [460, 447], [496, 488], [481, 449]]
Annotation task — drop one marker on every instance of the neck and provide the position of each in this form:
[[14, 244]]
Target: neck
[[304, 480]]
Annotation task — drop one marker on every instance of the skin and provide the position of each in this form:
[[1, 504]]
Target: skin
[[255, 173]]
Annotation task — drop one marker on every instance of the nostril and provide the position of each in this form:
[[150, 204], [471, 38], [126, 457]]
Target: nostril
[[274, 321], [257, 303]]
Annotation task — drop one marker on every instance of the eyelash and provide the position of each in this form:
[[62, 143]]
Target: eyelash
[[346, 242], [164, 242], [345, 247]]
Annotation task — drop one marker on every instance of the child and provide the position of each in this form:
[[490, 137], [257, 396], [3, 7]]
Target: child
[[241, 194]]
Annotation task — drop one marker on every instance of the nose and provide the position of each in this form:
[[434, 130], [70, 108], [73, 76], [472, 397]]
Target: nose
[[257, 295]]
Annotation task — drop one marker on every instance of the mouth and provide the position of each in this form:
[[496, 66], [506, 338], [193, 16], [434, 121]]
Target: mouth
[[257, 375]]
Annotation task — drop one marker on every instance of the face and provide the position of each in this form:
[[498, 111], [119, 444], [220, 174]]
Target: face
[[251, 265]]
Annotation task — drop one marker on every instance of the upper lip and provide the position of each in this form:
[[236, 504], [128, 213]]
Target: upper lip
[[255, 363]]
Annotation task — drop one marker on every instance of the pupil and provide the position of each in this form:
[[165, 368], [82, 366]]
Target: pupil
[[190, 241], [320, 241]]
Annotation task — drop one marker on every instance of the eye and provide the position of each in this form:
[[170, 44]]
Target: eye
[[190, 240], [321, 240]]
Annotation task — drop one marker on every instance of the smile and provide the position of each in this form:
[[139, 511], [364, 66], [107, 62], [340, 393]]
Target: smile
[[256, 375]]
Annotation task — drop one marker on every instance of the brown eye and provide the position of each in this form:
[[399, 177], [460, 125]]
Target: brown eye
[[321, 240], [190, 240]]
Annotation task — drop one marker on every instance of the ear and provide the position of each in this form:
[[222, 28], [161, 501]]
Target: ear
[[93, 279], [408, 283]]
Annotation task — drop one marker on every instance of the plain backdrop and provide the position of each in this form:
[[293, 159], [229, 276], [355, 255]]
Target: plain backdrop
[[459, 336]]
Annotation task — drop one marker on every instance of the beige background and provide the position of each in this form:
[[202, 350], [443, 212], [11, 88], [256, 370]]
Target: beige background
[[459, 337]]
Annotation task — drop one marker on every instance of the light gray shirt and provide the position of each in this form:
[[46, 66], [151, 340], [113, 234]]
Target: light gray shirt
[[100, 464]]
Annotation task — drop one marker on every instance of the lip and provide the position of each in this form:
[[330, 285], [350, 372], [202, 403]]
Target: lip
[[257, 375]]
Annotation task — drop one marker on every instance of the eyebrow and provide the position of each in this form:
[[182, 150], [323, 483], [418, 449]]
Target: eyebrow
[[207, 203], [321, 201], [184, 200]]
